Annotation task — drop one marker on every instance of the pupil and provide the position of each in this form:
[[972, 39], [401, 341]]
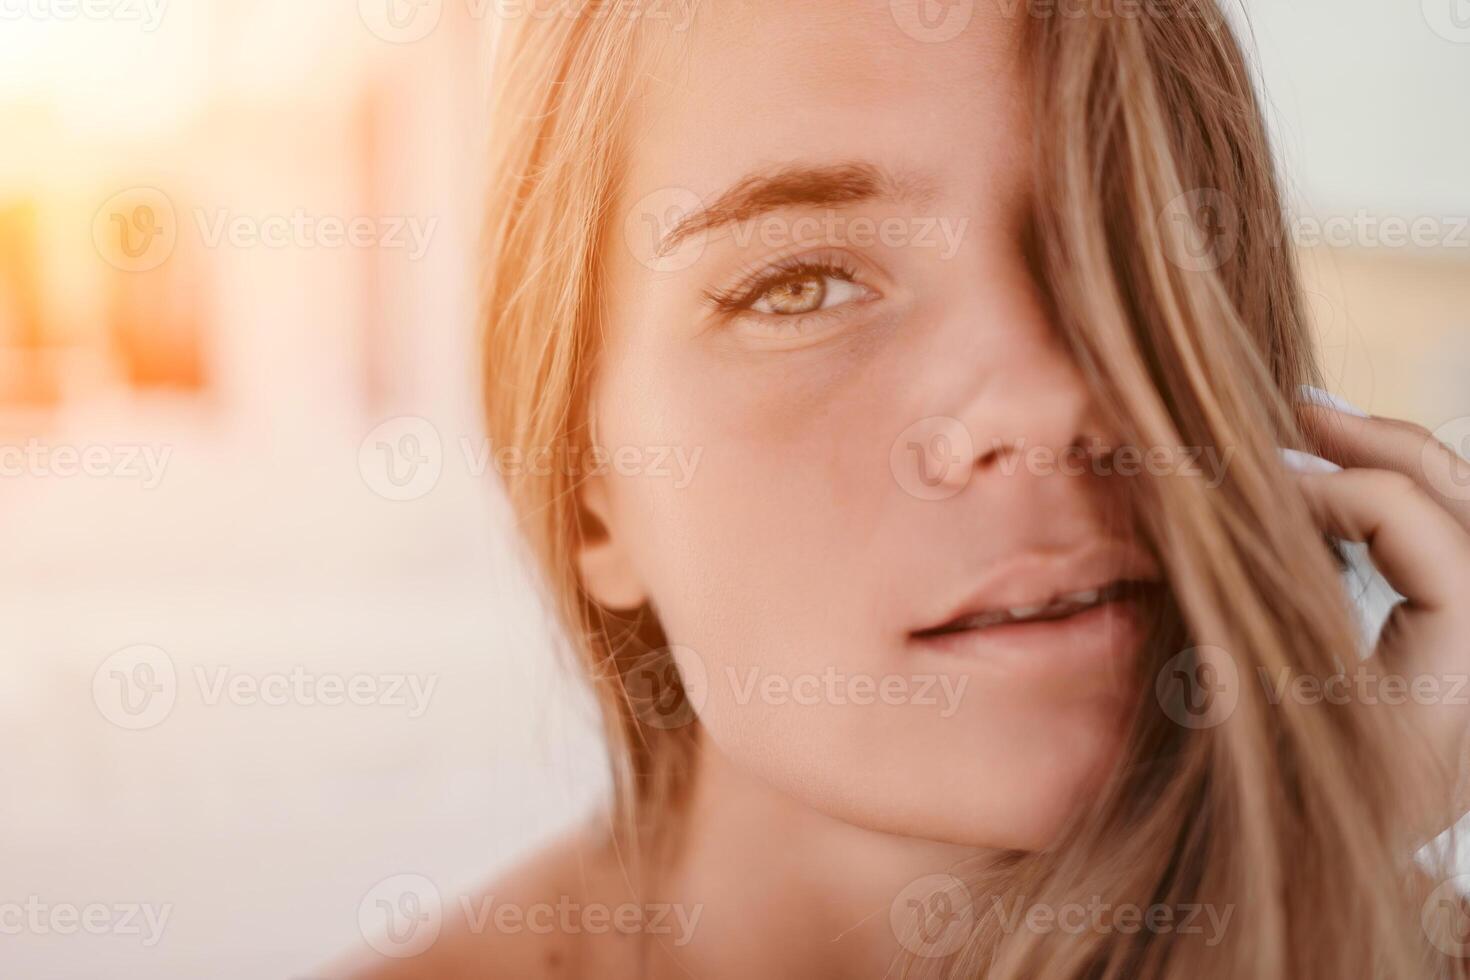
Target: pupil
[[801, 295]]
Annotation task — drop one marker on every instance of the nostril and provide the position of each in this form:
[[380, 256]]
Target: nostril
[[998, 451], [1082, 455], [1092, 449], [987, 455]]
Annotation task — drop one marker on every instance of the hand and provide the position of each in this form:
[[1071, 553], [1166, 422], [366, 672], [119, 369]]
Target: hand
[[1407, 496]]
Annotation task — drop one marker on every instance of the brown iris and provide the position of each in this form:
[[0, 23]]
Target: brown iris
[[799, 294]]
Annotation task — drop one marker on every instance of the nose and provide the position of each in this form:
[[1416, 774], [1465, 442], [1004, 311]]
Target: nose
[[1015, 403], [1037, 406]]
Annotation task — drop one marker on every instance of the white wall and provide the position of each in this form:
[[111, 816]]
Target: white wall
[[1368, 101]]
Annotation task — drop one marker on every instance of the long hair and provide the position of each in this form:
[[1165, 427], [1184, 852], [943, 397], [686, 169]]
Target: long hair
[[1145, 119]]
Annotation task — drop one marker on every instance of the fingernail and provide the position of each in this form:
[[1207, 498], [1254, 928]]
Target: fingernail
[[1307, 463], [1327, 399]]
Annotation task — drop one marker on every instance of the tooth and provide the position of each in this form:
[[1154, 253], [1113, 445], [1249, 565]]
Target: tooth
[[1083, 598], [1024, 612]]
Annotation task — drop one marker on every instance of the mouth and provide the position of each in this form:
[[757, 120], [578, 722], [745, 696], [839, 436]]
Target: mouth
[[1056, 608]]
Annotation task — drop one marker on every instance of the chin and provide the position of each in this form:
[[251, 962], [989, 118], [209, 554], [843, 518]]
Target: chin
[[1020, 788]]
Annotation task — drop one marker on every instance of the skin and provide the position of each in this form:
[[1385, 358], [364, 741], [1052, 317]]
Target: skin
[[799, 546]]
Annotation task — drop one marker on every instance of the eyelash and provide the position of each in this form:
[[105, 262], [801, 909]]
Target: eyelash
[[741, 297]]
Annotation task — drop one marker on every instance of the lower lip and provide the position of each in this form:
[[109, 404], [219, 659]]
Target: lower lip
[[1106, 635]]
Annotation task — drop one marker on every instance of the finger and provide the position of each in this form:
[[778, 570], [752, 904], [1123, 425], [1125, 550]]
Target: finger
[[1391, 444], [1421, 550]]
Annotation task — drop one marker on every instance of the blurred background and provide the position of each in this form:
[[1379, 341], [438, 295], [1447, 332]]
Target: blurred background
[[266, 642]]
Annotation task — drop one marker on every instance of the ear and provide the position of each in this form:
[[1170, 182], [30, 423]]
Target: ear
[[607, 573]]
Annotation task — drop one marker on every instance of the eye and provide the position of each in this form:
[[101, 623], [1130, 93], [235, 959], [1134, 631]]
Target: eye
[[806, 293], [790, 297]]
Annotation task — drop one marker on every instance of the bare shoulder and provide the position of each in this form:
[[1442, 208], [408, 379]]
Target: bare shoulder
[[531, 921]]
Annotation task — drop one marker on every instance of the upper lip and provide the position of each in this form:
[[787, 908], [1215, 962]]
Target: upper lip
[[1038, 578]]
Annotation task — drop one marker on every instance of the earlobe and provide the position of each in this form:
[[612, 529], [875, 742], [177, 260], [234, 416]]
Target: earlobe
[[606, 570]]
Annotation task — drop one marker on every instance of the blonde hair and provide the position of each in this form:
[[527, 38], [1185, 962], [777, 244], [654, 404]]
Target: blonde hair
[[1282, 813]]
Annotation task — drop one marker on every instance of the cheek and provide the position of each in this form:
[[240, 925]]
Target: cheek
[[763, 541]]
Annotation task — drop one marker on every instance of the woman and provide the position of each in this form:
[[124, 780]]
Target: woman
[[916, 663]]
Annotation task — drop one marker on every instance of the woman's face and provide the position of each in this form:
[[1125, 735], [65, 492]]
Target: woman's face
[[819, 301]]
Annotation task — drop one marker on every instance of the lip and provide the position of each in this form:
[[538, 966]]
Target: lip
[[1037, 578], [1088, 654], [1087, 651]]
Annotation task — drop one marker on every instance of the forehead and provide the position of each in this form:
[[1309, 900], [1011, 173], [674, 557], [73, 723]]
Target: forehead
[[755, 83]]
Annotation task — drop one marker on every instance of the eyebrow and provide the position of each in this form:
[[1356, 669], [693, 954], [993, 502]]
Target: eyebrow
[[831, 185]]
